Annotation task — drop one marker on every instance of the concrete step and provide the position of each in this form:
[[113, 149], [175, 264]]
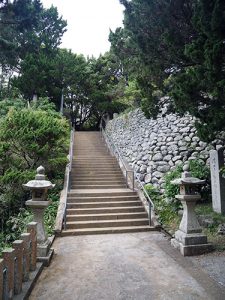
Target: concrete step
[[112, 216], [104, 210], [107, 223], [103, 204], [107, 230], [102, 199]]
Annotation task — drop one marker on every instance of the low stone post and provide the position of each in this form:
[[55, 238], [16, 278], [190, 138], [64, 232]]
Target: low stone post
[[26, 255], [217, 181], [1, 279], [8, 258], [32, 229], [189, 239], [39, 188], [18, 246]]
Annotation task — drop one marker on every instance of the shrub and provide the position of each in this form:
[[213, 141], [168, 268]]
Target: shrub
[[28, 138]]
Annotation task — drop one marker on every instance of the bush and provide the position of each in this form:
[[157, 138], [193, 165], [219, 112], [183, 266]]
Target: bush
[[29, 138], [167, 212]]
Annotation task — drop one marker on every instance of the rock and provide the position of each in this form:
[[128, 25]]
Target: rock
[[178, 162], [186, 167], [187, 139], [143, 169], [155, 181], [157, 174], [175, 158], [148, 178], [221, 229], [146, 157], [167, 157], [171, 163], [169, 139], [205, 220], [157, 157], [185, 129], [163, 169]]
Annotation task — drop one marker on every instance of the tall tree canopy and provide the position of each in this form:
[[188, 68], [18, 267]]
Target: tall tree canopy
[[178, 49], [26, 27]]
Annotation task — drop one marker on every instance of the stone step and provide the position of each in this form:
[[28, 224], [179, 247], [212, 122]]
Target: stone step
[[95, 163], [98, 186], [107, 230], [96, 171], [94, 181], [112, 216], [107, 223], [99, 177], [101, 199], [97, 166], [103, 204], [100, 193], [108, 210]]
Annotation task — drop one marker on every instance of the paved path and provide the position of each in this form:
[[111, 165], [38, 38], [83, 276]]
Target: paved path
[[140, 266]]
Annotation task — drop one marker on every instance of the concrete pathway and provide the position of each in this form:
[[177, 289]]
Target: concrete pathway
[[140, 266]]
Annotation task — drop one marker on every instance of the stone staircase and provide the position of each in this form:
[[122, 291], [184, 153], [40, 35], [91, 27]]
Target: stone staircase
[[99, 201]]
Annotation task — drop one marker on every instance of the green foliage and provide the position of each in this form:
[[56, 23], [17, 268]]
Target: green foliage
[[7, 104], [29, 138], [166, 211], [15, 226], [51, 211], [171, 190], [27, 27], [199, 169], [177, 48], [33, 137]]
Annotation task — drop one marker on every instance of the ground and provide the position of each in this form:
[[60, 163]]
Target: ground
[[121, 267]]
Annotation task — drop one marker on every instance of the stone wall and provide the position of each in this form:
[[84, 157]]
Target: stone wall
[[154, 147]]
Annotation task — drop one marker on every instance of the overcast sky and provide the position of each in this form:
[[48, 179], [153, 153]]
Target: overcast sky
[[88, 23]]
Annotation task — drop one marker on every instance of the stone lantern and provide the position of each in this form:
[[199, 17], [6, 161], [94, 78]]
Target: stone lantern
[[39, 189], [189, 239]]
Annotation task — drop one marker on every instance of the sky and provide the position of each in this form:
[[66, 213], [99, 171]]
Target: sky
[[88, 22]]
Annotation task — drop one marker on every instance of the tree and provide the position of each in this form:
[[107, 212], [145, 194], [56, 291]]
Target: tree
[[25, 28], [180, 47], [200, 87]]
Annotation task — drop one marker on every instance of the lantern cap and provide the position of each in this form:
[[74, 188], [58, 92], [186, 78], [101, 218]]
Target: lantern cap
[[186, 179], [39, 182]]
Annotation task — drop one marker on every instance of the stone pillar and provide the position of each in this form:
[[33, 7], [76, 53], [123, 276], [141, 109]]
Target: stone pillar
[[32, 229], [26, 255], [1, 279], [8, 257], [217, 181], [18, 246]]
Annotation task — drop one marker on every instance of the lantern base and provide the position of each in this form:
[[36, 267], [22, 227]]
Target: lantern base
[[191, 244], [46, 260], [44, 252]]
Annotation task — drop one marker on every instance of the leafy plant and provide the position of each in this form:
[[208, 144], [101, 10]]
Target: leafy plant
[[166, 211], [172, 190]]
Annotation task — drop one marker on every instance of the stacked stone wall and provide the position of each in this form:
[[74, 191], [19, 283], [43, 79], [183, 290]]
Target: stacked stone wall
[[153, 147]]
